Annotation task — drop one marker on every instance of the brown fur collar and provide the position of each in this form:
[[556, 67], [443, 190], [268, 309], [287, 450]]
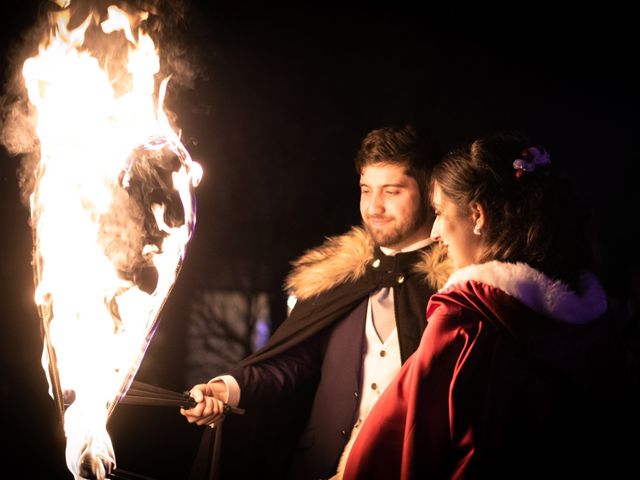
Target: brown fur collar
[[344, 258]]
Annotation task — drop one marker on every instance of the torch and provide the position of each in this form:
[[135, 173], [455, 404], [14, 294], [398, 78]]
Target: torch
[[112, 211]]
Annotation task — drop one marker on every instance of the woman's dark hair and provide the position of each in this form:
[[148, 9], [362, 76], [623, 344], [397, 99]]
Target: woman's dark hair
[[533, 215], [404, 145]]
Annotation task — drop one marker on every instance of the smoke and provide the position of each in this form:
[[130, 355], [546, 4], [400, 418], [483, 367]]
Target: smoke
[[168, 24], [17, 115], [18, 133]]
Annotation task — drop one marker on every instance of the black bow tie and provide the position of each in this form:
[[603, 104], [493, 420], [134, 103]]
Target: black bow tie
[[392, 270]]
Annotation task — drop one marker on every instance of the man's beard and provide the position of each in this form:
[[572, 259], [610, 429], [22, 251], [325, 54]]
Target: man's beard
[[399, 233]]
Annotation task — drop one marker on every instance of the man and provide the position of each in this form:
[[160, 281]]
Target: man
[[360, 313]]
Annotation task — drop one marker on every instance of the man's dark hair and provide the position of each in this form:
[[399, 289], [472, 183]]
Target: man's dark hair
[[402, 145]]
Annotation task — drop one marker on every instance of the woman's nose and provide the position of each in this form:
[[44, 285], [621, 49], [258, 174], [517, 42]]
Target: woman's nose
[[435, 231]]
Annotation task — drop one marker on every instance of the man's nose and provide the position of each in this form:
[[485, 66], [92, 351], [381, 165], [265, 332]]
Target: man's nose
[[375, 205]]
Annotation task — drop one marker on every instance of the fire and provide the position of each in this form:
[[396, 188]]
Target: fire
[[112, 212]]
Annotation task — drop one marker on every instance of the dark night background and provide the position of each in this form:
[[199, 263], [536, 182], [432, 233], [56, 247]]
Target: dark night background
[[279, 101]]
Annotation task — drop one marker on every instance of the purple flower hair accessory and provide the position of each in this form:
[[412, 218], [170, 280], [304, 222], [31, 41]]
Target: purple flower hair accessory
[[532, 158]]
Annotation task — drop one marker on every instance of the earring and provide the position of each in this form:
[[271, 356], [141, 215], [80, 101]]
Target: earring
[[476, 230]]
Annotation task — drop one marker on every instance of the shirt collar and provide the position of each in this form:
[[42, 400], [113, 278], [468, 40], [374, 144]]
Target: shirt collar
[[410, 248]]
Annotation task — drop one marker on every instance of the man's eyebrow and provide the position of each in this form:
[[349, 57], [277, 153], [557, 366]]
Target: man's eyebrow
[[385, 185]]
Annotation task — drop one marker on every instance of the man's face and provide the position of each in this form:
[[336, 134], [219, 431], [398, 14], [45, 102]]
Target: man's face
[[392, 211]]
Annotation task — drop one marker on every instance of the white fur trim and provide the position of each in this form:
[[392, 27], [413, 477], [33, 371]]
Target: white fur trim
[[548, 297]]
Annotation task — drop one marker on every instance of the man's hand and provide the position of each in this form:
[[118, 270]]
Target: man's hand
[[210, 407]]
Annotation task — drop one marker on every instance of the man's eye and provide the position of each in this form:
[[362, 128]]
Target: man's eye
[[392, 192]]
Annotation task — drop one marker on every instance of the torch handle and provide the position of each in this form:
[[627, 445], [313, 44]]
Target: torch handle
[[150, 395], [227, 408]]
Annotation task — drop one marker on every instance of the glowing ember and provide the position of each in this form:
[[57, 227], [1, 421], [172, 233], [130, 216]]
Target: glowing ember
[[112, 211]]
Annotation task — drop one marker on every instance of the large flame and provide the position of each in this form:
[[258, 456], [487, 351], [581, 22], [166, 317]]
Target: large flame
[[112, 211]]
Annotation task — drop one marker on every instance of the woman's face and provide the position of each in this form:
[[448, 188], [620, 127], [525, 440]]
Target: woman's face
[[453, 227]]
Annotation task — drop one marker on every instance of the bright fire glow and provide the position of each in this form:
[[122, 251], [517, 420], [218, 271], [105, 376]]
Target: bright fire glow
[[112, 212]]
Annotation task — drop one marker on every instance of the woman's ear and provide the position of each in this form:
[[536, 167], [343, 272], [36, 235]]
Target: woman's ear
[[478, 215]]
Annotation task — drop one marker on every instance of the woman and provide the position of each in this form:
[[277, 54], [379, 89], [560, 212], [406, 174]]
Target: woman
[[515, 368]]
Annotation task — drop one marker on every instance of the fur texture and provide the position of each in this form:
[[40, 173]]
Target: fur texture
[[551, 298], [344, 258]]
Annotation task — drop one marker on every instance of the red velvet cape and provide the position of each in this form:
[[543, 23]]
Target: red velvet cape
[[495, 390]]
